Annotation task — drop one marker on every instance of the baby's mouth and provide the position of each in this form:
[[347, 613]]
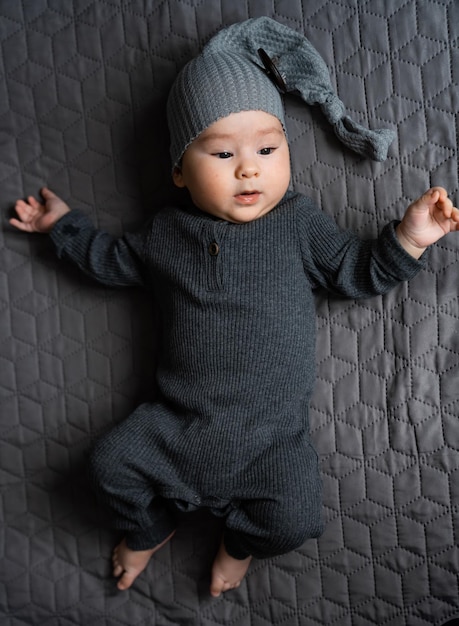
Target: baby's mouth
[[248, 197]]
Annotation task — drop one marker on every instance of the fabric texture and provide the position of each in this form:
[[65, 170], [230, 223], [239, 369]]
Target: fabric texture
[[230, 427], [82, 109], [227, 78], [213, 86]]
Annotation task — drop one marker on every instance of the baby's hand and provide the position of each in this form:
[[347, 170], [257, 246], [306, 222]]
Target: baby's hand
[[39, 218], [427, 220]]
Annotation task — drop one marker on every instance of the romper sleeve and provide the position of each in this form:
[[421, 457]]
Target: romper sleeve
[[115, 262], [342, 262]]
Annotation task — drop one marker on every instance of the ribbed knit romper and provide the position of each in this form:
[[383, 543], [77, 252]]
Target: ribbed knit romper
[[229, 428]]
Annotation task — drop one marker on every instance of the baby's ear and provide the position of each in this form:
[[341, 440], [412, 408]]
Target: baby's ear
[[177, 177]]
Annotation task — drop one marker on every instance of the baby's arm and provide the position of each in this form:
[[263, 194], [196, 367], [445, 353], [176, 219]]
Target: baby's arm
[[116, 262], [39, 218], [427, 220]]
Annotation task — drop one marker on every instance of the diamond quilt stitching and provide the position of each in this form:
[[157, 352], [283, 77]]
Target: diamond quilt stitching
[[81, 109]]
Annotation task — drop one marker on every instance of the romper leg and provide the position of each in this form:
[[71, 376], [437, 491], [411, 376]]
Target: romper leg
[[267, 528], [283, 520], [123, 472]]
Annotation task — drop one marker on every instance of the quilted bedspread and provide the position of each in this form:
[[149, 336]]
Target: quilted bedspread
[[82, 94]]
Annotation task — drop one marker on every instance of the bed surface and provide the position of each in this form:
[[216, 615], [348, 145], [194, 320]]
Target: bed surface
[[83, 88]]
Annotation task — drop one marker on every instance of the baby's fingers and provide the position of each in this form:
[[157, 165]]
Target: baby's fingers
[[447, 215], [27, 213], [439, 198], [34, 204], [455, 214], [24, 211], [446, 207], [21, 225]]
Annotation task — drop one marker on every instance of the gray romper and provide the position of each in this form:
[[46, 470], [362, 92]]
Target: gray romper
[[229, 427]]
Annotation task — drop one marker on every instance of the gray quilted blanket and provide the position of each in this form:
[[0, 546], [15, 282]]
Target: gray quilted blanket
[[83, 87]]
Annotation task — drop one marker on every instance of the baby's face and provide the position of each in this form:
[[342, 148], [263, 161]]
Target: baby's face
[[238, 169]]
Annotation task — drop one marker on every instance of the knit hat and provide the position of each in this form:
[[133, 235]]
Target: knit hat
[[243, 68]]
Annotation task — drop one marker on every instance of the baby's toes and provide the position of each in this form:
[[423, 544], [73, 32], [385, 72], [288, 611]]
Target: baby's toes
[[217, 586], [116, 565], [220, 585], [126, 580], [117, 570]]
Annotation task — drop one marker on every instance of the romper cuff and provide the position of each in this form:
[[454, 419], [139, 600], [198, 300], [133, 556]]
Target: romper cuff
[[233, 547], [145, 539]]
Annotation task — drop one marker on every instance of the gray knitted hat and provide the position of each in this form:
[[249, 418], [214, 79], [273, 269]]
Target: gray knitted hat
[[243, 68]]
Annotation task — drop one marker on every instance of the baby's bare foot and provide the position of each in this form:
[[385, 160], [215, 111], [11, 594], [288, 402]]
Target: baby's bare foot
[[227, 572], [128, 564]]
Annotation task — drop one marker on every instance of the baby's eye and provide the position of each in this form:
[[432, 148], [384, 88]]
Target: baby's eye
[[266, 151], [223, 155]]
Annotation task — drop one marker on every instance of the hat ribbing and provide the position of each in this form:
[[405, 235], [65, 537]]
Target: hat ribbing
[[228, 77], [213, 86]]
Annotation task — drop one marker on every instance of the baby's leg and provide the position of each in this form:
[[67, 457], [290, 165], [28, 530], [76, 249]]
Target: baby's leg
[[129, 563], [263, 529], [123, 469], [227, 572]]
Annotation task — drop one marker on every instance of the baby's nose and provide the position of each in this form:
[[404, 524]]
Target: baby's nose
[[247, 169]]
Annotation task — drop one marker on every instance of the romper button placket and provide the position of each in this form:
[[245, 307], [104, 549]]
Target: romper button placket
[[214, 249]]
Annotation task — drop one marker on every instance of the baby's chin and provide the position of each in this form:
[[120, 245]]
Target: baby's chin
[[240, 214]]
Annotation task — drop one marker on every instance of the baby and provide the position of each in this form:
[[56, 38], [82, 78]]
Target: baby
[[233, 275]]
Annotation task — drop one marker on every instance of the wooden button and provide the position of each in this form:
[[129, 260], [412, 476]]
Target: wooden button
[[214, 249]]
